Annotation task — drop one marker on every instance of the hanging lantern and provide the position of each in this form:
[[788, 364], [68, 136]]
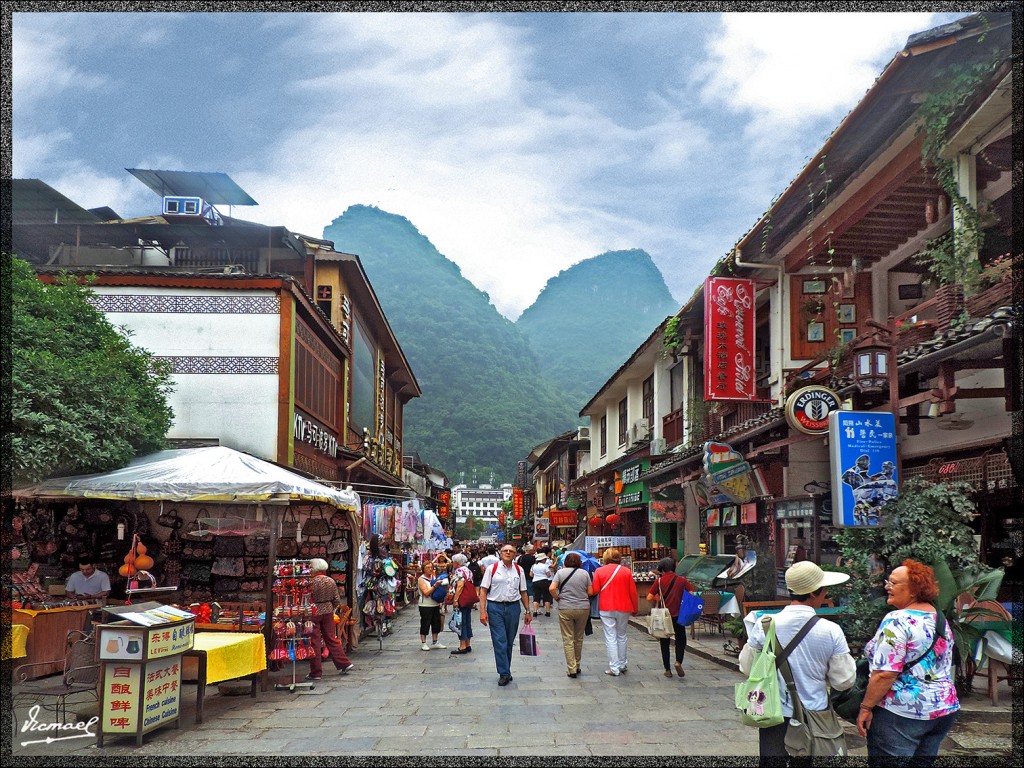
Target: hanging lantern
[[870, 366], [595, 523], [613, 519]]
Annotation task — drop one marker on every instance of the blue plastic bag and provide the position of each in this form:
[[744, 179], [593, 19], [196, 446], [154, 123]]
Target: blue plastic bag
[[690, 608]]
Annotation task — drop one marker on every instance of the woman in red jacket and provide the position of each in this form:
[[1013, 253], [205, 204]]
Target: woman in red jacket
[[617, 601], [669, 587]]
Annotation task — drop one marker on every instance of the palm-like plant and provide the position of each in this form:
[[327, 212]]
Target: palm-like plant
[[962, 616]]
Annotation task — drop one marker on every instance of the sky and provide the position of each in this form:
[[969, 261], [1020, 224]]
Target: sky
[[518, 143]]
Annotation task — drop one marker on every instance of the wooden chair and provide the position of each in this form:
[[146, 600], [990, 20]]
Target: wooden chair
[[81, 675]]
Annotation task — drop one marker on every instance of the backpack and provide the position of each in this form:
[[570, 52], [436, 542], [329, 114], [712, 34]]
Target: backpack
[[519, 571], [477, 571], [440, 589]]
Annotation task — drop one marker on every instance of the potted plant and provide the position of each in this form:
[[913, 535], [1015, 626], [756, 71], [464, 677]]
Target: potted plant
[[734, 626]]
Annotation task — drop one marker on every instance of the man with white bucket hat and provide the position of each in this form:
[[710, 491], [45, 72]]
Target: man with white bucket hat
[[821, 657]]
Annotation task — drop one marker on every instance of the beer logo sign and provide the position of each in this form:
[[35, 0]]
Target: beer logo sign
[[807, 409]]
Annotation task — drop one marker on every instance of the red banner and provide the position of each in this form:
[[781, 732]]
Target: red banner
[[728, 339], [563, 518], [517, 503]]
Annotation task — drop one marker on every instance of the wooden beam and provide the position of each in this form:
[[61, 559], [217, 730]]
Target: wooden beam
[[898, 172], [981, 392], [782, 443], [921, 397]]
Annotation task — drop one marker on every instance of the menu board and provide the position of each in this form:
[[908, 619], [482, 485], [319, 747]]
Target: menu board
[[167, 641], [162, 692]]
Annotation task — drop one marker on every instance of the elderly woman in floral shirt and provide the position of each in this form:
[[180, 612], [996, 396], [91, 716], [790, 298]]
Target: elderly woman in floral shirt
[[326, 599], [911, 701]]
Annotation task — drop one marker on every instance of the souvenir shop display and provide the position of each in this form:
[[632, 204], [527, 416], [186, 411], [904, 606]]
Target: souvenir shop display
[[378, 586], [292, 618]]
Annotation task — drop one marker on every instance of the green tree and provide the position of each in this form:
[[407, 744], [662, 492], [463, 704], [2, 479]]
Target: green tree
[[928, 522], [83, 398]]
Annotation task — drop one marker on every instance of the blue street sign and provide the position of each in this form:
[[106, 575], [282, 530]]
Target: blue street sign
[[863, 454]]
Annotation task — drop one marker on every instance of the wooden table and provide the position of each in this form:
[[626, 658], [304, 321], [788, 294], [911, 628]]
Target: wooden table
[[47, 635], [228, 656]]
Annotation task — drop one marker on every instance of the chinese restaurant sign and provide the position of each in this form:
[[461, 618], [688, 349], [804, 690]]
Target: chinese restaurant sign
[[517, 503], [563, 519], [728, 339]]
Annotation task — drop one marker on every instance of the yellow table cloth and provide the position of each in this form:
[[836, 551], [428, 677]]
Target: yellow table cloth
[[230, 655], [19, 642]]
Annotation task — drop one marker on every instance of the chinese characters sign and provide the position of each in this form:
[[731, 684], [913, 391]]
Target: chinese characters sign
[[863, 448], [517, 503], [162, 691], [728, 339], [122, 686], [563, 519], [169, 641]]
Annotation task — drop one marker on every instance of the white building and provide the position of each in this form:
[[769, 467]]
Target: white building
[[483, 503]]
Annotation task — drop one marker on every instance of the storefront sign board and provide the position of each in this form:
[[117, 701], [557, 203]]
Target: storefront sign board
[[729, 339], [808, 408], [863, 456]]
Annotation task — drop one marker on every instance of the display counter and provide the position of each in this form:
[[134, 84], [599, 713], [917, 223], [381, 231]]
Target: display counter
[[47, 635], [220, 656]]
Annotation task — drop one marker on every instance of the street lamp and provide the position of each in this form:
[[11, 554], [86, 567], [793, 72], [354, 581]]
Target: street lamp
[[871, 366]]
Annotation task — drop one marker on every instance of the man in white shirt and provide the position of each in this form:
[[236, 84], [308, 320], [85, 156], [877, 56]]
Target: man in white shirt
[[821, 658], [490, 559], [502, 598], [87, 583]]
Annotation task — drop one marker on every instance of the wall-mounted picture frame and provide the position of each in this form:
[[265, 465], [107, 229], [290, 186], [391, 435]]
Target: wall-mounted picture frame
[[815, 286], [847, 313], [910, 291], [846, 335], [815, 331]]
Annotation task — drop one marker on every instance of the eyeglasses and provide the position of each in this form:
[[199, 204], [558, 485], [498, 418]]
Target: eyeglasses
[[508, 551], [893, 583]]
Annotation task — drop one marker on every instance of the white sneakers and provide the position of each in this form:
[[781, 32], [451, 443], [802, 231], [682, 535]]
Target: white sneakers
[[438, 646], [424, 647]]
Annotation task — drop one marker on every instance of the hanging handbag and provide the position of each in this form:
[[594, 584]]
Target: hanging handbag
[[468, 597], [659, 623], [528, 642], [758, 698]]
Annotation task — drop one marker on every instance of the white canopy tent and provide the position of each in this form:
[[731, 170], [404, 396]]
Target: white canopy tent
[[195, 475], [213, 474]]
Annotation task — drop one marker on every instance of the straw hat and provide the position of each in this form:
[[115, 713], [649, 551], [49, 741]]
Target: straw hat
[[805, 577]]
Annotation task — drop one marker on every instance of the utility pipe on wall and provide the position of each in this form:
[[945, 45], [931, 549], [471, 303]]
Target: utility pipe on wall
[[781, 292]]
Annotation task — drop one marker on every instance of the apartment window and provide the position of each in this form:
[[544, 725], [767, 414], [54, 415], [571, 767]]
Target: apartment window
[[604, 435], [648, 399], [623, 421]]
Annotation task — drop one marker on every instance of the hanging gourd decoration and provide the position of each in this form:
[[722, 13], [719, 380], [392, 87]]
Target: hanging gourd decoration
[[142, 561], [129, 568]]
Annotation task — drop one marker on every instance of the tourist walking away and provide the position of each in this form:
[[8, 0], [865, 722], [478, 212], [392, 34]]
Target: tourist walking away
[[526, 561], [465, 591], [617, 601], [816, 649], [911, 700], [668, 591], [430, 609], [502, 597], [541, 572], [326, 599], [490, 558], [570, 588]]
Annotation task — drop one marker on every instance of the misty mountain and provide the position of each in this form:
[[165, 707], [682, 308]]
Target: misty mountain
[[485, 402], [591, 317]]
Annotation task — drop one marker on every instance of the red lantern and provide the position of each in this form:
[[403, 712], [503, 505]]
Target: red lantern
[[613, 519], [596, 523]]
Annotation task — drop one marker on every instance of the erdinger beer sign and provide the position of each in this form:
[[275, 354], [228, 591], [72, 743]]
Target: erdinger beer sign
[[807, 409], [728, 339]]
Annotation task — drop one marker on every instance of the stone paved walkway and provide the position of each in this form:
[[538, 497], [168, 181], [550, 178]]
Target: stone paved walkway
[[404, 701]]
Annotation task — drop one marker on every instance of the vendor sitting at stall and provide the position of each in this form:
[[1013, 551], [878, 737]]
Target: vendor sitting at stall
[[87, 583]]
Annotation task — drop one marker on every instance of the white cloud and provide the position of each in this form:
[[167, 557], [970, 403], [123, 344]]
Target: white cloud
[[42, 64], [788, 67]]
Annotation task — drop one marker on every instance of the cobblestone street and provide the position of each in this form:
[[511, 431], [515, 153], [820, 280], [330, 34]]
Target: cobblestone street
[[404, 701]]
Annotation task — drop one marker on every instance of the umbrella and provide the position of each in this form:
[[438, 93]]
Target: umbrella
[[590, 563]]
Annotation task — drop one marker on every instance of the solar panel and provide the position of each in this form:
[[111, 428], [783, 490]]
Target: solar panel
[[216, 188]]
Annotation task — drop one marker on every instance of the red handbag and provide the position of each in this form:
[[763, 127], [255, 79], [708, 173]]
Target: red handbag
[[468, 596]]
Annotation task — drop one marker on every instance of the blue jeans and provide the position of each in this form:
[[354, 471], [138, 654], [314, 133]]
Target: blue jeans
[[894, 736], [503, 621], [467, 623]]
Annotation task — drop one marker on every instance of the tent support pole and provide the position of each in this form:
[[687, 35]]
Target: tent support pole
[[268, 620]]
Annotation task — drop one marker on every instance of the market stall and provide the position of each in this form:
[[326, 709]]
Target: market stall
[[222, 518]]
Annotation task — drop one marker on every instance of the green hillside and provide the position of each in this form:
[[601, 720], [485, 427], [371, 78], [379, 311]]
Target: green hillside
[[591, 317], [485, 403]]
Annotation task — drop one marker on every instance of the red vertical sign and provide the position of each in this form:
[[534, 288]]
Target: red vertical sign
[[517, 503], [728, 339]]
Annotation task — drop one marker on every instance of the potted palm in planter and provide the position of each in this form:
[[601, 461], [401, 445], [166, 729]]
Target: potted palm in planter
[[735, 627]]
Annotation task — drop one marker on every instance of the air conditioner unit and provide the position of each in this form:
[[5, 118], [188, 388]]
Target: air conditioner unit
[[583, 433], [641, 430], [658, 446]]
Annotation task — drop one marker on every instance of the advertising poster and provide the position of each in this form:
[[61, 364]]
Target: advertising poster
[[667, 511], [863, 457], [540, 527]]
